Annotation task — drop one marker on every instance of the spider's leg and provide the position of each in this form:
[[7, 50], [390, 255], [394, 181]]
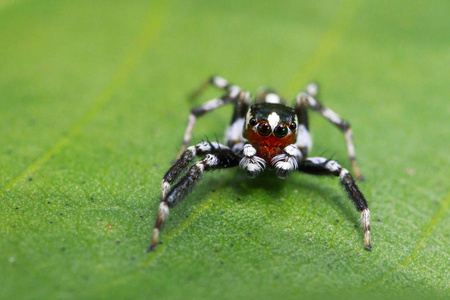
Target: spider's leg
[[234, 95], [185, 159], [287, 161], [323, 166], [308, 99], [304, 140], [266, 94], [215, 81], [218, 159], [234, 132]]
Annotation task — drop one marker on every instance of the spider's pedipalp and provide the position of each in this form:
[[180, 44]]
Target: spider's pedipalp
[[250, 162], [288, 161]]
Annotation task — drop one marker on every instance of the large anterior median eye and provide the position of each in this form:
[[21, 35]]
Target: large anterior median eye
[[264, 129], [280, 131]]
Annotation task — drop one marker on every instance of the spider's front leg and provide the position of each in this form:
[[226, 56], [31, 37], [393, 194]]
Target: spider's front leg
[[323, 166], [185, 159], [287, 161], [218, 158]]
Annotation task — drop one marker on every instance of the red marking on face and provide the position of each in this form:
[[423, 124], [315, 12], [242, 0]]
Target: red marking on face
[[267, 147]]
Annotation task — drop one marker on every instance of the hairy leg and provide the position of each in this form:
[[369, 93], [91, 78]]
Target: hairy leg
[[323, 166]]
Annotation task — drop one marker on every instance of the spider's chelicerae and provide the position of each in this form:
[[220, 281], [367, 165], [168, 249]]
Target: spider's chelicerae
[[264, 135]]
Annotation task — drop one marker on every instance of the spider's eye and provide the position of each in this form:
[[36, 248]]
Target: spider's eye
[[292, 126], [264, 129], [280, 131], [252, 122]]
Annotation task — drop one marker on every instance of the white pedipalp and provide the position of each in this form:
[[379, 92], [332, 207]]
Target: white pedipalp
[[249, 150], [250, 161], [287, 161]]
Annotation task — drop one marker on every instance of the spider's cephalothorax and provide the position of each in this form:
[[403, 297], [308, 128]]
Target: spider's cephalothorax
[[270, 128], [265, 135]]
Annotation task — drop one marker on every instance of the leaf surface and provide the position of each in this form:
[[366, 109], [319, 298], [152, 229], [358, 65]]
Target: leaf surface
[[93, 109]]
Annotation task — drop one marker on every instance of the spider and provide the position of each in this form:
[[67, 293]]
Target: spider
[[264, 135]]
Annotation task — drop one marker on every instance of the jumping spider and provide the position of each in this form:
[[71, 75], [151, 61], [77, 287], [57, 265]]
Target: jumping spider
[[267, 134]]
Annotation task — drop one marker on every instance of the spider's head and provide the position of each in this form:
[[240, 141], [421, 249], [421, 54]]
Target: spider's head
[[270, 125]]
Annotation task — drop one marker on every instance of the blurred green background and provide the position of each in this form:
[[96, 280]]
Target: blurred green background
[[93, 109]]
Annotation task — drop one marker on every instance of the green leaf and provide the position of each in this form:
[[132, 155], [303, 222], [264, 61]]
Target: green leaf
[[93, 109]]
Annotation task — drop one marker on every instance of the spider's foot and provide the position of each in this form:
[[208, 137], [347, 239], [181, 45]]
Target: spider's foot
[[154, 240], [365, 220]]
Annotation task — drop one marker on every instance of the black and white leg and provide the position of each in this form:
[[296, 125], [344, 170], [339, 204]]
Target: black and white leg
[[287, 161], [308, 98], [185, 159], [304, 140], [216, 81], [217, 159], [233, 134], [234, 94], [250, 162], [266, 94], [323, 166]]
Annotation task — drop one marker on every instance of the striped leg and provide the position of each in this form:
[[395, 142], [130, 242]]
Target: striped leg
[[323, 166], [307, 98], [185, 159], [234, 95], [217, 159], [304, 140], [215, 81], [266, 94]]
